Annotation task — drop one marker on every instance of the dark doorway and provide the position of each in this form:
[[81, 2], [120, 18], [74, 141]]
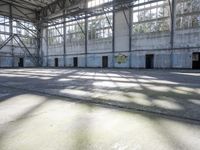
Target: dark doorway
[[105, 61], [150, 61], [75, 61], [56, 62], [21, 62], [196, 60]]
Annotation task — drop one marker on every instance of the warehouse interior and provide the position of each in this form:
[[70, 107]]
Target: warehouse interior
[[100, 33], [99, 74]]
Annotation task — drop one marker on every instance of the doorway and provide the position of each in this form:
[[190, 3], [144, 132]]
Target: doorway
[[21, 62], [149, 61], [56, 62], [196, 60], [105, 61], [75, 61]]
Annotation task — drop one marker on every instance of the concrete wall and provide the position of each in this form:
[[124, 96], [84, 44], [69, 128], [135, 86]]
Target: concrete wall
[[145, 41], [187, 38], [70, 62], [131, 55], [75, 47], [121, 32], [162, 59], [8, 60], [95, 60], [100, 46]]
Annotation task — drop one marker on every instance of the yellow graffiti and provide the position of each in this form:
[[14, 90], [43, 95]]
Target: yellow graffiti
[[120, 59]]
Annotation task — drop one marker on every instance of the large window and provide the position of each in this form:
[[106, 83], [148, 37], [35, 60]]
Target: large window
[[188, 14], [100, 27], [55, 34], [26, 31], [4, 24], [4, 28], [75, 31], [151, 17]]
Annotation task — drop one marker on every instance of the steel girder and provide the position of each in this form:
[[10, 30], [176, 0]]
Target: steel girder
[[57, 7], [74, 13], [22, 46]]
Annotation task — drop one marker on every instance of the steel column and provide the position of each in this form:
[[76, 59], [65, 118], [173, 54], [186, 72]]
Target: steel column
[[11, 33], [130, 35], [39, 35], [64, 39], [86, 42], [47, 44], [113, 36], [173, 26]]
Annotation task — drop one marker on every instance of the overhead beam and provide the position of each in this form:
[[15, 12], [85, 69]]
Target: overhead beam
[[18, 12], [112, 6], [57, 6], [18, 5], [31, 4]]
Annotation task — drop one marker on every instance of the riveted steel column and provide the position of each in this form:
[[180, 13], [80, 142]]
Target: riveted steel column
[[173, 26], [130, 35], [113, 35], [86, 42], [11, 33], [47, 37], [64, 39]]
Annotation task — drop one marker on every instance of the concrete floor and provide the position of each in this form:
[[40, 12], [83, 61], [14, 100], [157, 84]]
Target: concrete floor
[[87, 109]]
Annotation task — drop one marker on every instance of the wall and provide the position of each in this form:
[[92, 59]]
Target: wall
[[133, 55], [8, 60]]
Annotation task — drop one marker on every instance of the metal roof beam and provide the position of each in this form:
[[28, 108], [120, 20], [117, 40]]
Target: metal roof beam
[[57, 6]]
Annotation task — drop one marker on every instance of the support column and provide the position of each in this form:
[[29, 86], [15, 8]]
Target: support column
[[39, 39], [86, 34], [130, 35], [47, 57], [11, 33], [86, 41], [113, 37], [173, 27], [64, 39]]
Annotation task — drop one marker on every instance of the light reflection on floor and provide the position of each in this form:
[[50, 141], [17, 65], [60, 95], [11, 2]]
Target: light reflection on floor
[[30, 120]]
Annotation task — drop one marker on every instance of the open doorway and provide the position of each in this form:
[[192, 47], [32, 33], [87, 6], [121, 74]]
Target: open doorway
[[75, 61], [196, 60], [105, 61], [21, 62], [149, 61], [56, 62]]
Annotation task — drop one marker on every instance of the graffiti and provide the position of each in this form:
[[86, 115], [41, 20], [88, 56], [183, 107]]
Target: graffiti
[[120, 59]]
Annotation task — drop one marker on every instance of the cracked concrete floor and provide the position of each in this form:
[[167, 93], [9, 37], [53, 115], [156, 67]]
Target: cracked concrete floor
[[90, 109]]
